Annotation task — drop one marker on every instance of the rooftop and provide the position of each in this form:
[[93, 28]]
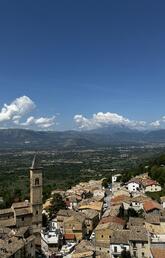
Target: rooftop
[[120, 237], [84, 249], [138, 233], [158, 252], [23, 211], [155, 229], [65, 213], [6, 211], [119, 199], [90, 214], [111, 219], [133, 221], [18, 205], [150, 205], [94, 206]]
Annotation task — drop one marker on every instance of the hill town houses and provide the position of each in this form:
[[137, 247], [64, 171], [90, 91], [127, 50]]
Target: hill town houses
[[20, 225], [121, 219]]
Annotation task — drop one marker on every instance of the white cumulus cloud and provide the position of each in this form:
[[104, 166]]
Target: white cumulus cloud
[[156, 123], [17, 110], [41, 122], [101, 119]]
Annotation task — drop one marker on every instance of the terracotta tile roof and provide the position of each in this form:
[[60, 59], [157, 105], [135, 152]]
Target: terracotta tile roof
[[116, 220], [79, 217], [69, 236], [158, 252], [134, 180], [151, 205], [149, 182], [84, 245], [138, 233], [90, 214], [94, 206], [155, 229], [109, 225], [65, 213], [102, 226], [140, 198], [120, 237], [133, 221], [153, 219], [119, 199]]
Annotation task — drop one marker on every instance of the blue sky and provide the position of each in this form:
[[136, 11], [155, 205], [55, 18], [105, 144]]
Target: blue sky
[[82, 63]]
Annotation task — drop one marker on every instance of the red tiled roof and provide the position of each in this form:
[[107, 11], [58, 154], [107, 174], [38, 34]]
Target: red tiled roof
[[158, 252], [149, 182], [151, 205], [116, 220], [134, 180], [69, 236], [119, 199]]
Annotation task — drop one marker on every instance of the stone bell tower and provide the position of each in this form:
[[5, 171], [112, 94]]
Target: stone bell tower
[[36, 199]]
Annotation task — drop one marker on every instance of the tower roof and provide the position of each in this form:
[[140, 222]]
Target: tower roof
[[35, 163]]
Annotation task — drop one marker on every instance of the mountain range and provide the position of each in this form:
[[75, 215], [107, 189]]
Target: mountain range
[[107, 136]]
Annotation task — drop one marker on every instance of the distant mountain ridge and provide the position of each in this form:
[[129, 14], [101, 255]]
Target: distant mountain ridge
[[21, 138]]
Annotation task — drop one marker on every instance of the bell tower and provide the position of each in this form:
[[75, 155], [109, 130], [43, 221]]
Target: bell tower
[[36, 199]]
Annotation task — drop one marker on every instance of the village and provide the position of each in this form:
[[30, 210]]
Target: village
[[120, 220], [98, 219]]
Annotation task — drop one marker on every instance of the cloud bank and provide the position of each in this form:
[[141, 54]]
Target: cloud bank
[[12, 115], [19, 114], [101, 119]]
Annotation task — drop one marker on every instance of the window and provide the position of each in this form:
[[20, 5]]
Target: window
[[22, 218], [37, 181], [36, 212], [102, 236], [134, 253], [142, 244], [115, 249], [142, 254]]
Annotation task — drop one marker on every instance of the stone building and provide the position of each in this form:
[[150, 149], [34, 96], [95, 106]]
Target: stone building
[[27, 214], [19, 243], [74, 227]]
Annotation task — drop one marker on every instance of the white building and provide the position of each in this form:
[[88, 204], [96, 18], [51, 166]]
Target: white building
[[115, 177], [133, 185], [51, 239]]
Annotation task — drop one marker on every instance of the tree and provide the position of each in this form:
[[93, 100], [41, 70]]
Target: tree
[[44, 220], [125, 254], [106, 182], [57, 203], [132, 213]]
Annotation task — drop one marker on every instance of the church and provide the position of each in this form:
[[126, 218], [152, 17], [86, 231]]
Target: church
[[27, 213]]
